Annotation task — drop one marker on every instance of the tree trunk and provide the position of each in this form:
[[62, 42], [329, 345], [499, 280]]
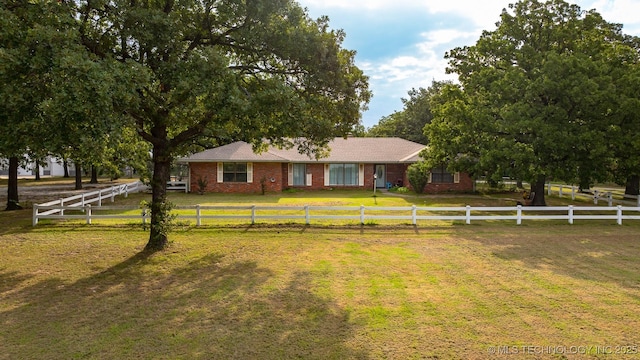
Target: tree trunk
[[537, 188], [12, 188], [37, 170], [65, 166], [160, 216], [584, 185], [633, 185], [94, 175], [78, 176]]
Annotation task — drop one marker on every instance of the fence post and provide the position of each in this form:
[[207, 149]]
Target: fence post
[[519, 215], [619, 214], [549, 188], [609, 199], [573, 192], [362, 214], [571, 214], [113, 194], [307, 218], [87, 210], [35, 214], [560, 192], [468, 214], [198, 215], [596, 194], [253, 214], [413, 214], [82, 203], [61, 205], [99, 198], [144, 216]]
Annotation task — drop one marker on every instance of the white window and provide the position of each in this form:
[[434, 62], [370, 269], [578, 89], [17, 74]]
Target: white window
[[343, 174], [299, 174], [440, 175], [235, 172]]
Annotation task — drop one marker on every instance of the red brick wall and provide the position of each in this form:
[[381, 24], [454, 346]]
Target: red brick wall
[[272, 172], [397, 172], [279, 174], [465, 184]]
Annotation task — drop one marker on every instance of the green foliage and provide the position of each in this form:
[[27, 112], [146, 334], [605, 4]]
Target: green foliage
[[410, 122], [535, 99], [202, 184], [418, 175], [166, 222], [188, 73]]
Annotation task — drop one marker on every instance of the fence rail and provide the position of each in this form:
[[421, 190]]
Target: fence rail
[[597, 195], [58, 207], [254, 213]]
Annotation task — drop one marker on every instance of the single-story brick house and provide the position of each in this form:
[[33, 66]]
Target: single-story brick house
[[352, 163]]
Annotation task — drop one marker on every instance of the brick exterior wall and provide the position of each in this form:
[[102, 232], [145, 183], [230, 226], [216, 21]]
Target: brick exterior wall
[[271, 172], [465, 184], [396, 173], [276, 175]]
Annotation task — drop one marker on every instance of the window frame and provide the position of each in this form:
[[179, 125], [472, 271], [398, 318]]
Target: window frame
[[300, 181], [437, 175], [237, 175], [346, 171]]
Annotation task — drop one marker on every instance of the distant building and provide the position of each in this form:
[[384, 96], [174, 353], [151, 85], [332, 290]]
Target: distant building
[[51, 166]]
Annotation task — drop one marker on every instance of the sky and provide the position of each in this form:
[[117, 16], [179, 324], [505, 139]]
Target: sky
[[401, 44]]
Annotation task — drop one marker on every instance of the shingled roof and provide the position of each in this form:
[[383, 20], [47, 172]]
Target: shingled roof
[[350, 150]]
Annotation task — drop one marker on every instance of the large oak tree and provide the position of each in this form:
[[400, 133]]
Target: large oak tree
[[535, 97], [257, 70]]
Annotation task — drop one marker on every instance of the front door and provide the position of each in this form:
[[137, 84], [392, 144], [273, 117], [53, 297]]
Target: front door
[[381, 178]]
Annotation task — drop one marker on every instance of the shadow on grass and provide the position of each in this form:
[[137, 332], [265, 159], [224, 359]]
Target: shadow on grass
[[147, 307], [15, 221], [606, 253]]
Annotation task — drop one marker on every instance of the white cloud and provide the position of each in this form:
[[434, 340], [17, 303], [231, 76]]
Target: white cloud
[[481, 13], [395, 76], [618, 11], [362, 4], [446, 24]]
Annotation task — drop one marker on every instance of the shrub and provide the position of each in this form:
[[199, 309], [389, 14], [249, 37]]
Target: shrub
[[202, 185], [418, 175]]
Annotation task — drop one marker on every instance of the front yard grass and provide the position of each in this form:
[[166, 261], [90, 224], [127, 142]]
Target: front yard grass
[[320, 292]]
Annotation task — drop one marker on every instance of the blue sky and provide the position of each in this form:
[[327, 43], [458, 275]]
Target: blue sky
[[401, 44]]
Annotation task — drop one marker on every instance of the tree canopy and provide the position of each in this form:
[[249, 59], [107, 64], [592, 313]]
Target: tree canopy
[[260, 71], [34, 38], [535, 99]]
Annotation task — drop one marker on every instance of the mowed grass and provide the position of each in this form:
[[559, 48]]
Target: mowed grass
[[296, 200], [446, 291]]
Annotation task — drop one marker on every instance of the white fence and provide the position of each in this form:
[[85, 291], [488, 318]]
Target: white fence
[[362, 214], [57, 207], [596, 196]]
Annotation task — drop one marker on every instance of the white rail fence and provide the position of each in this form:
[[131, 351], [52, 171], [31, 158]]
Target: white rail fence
[[84, 199], [596, 196], [362, 214]]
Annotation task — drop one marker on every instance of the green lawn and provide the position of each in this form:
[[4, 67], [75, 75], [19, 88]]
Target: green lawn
[[320, 292]]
